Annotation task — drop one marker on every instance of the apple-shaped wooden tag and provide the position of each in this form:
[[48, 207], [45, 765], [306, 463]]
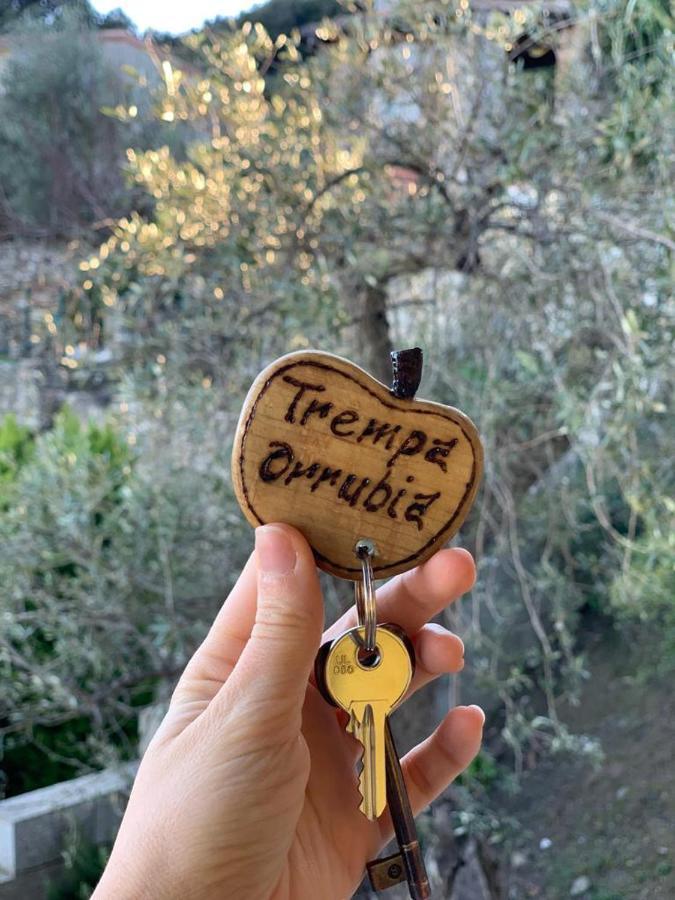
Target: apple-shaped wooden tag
[[323, 446]]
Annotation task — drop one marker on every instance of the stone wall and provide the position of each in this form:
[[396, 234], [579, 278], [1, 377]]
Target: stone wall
[[35, 827], [35, 277], [20, 383]]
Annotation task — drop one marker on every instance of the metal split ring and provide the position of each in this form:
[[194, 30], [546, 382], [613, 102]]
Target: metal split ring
[[365, 594]]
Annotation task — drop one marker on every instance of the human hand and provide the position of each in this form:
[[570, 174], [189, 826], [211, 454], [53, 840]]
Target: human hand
[[248, 789]]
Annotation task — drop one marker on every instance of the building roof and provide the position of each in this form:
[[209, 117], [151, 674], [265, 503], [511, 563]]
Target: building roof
[[120, 36], [554, 7], [116, 41]]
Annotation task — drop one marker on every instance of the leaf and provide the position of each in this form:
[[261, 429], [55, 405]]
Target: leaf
[[527, 361]]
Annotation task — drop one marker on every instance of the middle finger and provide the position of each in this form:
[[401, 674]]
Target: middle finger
[[413, 598]]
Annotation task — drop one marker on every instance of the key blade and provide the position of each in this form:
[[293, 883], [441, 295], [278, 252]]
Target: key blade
[[367, 690], [353, 725], [373, 778], [368, 778]]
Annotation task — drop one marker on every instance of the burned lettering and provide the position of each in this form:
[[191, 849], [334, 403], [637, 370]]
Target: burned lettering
[[415, 511], [302, 387], [440, 452], [379, 430], [347, 417], [269, 473], [315, 407], [413, 444]]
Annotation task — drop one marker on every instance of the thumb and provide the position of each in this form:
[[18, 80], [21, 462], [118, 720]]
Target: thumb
[[276, 662]]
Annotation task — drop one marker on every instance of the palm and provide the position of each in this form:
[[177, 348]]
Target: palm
[[251, 778], [247, 733], [331, 822], [333, 840]]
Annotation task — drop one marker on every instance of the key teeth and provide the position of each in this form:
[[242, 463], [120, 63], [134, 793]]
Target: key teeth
[[366, 810], [354, 727], [366, 806], [369, 805]]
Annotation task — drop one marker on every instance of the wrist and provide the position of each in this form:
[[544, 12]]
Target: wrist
[[125, 879]]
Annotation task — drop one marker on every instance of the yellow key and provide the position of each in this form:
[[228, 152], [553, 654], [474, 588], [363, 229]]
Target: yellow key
[[368, 686]]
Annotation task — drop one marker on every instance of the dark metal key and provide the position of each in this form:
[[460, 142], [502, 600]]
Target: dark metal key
[[408, 863]]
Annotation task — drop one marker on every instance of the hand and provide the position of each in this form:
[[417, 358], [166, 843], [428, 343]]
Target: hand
[[248, 789]]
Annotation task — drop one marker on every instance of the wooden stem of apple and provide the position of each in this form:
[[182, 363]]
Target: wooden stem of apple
[[407, 372]]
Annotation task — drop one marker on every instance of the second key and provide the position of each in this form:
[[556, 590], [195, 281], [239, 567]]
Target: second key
[[368, 686]]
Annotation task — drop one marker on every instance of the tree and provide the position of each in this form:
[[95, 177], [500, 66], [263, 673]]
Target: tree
[[412, 148], [282, 17], [15, 11], [116, 18], [411, 184], [60, 156]]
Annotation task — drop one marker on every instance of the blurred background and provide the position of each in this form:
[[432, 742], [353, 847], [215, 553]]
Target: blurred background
[[183, 201]]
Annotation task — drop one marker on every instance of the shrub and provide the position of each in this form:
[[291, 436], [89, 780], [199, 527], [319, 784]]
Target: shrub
[[16, 445], [60, 157], [115, 550]]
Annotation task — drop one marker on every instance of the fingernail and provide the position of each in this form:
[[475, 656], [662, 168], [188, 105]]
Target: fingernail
[[442, 630], [274, 550], [478, 709]]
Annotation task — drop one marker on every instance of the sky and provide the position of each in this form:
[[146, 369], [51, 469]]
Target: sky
[[173, 15]]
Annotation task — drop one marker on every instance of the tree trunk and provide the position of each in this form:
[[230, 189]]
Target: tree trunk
[[372, 339]]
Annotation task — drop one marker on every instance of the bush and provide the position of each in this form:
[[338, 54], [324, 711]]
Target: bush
[[115, 549], [60, 156], [534, 273], [84, 863], [644, 589], [16, 445]]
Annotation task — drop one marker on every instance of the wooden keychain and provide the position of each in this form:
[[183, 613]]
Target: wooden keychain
[[377, 482]]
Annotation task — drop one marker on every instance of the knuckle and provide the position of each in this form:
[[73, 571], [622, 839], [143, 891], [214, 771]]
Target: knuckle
[[277, 612], [277, 626], [418, 777], [447, 754], [410, 592]]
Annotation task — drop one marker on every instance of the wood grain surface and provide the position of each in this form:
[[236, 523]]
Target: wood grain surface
[[323, 446]]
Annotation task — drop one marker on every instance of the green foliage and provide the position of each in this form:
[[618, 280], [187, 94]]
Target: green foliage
[[520, 234], [116, 18], [16, 444], [16, 10], [19, 11], [107, 563], [229, 248], [281, 17], [643, 591], [84, 864], [60, 157], [636, 30], [483, 770], [53, 754], [636, 131], [634, 47]]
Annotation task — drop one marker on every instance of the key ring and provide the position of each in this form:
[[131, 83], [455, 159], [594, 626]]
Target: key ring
[[364, 593]]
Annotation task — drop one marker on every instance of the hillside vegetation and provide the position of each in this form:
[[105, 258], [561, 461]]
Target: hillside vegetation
[[414, 181]]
